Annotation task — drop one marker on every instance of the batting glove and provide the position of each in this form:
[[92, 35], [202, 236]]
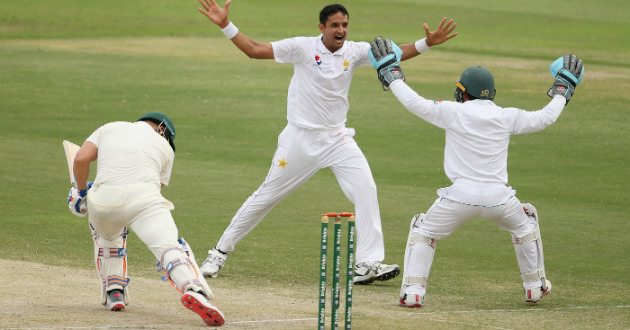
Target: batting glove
[[77, 201]]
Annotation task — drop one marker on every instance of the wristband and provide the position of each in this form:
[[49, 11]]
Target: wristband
[[421, 45], [83, 192], [230, 31]]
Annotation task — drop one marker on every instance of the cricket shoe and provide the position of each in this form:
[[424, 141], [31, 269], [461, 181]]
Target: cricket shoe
[[412, 300], [212, 264], [115, 300], [534, 295], [198, 303], [368, 272]]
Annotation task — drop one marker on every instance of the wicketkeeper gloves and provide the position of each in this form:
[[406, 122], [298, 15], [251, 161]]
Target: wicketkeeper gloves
[[385, 57], [568, 71]]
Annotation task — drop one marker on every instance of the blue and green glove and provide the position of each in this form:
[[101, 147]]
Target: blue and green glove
[[385, 57], [568, 71]]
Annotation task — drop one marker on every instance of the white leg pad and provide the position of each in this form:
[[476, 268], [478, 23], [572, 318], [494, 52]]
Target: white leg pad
[[529, 252], [191, 256], [418, 259], [180, 268], [110, 258]]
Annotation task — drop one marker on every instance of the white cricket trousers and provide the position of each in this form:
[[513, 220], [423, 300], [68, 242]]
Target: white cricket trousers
[[445, 216], [141, 208], [301, 153]]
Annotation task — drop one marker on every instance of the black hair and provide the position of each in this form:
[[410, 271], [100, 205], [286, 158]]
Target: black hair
[[331, 10], [471, 97]]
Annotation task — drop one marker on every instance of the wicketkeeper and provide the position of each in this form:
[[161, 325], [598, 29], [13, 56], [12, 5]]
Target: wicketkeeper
[[134, 161], [475, 160]]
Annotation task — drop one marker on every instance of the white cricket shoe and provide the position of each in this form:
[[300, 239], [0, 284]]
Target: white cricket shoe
[[534, 295], [198, 303], [412, 300], [214, 262], [368, 272]]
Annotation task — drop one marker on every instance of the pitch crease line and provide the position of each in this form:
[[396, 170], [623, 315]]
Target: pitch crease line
[[469, 324], [521, 310], [91, 327], [273, 321]]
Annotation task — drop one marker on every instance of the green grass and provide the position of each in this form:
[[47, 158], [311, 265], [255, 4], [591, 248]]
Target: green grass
[[69, 66]]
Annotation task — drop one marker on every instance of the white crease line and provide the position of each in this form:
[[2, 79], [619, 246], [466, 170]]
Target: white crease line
[[521, 310], [274, 321], [449, 312], [506, 311], [313, 318], [91, 328], [470, 325]]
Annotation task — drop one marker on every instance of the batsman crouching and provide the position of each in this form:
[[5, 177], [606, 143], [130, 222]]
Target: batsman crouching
[[475, 160], [134, 161]]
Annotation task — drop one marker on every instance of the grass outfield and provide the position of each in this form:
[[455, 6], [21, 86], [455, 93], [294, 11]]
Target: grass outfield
[[68, 66]]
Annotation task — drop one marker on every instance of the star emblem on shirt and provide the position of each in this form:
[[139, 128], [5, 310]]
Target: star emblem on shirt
[[346, 64], [282, 163]]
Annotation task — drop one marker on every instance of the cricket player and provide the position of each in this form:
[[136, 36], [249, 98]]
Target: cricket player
[[316, 136], [475, 160], [134, 161]]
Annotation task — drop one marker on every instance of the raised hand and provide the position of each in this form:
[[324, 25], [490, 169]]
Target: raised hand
[[215, 13], [441, 34], [385, 57], [568, 72]]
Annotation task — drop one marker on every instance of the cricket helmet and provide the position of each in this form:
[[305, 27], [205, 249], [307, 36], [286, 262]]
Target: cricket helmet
[[475, 81], [163, 121]]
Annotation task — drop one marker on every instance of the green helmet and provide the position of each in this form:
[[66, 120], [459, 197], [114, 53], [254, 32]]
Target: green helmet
[[475, 81], [162, 120]]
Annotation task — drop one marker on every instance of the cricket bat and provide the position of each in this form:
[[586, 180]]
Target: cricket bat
[[71, 151]]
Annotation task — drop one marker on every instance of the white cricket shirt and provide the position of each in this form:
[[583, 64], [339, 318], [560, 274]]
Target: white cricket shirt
[[131, 152], [477, 132], [318, 92]]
